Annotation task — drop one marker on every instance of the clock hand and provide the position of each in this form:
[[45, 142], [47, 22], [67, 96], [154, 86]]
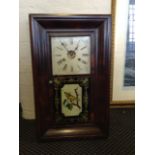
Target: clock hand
[[77, 46]]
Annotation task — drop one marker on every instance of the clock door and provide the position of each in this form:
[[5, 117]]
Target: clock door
[[71, 70], [72, 75]]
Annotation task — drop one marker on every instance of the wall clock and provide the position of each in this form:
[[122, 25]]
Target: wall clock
[[71, 70]]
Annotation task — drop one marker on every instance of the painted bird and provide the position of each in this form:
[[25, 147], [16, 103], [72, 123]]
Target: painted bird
[[70, 97]]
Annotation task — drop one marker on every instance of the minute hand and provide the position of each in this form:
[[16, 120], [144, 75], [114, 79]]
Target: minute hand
[[77, 46]]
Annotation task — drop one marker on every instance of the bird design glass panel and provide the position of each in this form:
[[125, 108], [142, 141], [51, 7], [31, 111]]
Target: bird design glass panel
[[71, 100]]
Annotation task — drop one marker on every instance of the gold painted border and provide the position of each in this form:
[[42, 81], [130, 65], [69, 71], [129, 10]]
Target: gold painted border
[[113, 9], [115, 102]]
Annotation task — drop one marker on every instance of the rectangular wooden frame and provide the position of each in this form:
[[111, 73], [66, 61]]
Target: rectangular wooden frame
[[40, 27]]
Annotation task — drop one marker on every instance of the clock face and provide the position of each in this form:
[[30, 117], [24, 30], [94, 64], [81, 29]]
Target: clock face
[[70, 55]]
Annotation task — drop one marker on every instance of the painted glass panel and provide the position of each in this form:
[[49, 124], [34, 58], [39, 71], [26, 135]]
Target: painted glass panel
[[71, 100]]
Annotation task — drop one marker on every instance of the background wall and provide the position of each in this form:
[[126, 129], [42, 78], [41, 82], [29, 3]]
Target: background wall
[[53, 7]]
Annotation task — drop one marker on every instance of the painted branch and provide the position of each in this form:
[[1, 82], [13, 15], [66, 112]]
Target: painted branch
[[77, 101]]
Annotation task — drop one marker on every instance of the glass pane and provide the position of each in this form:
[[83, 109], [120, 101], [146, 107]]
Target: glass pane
[[71, 100]]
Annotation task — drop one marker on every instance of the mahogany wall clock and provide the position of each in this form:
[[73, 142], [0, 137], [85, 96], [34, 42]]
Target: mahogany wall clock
[[71, 70]]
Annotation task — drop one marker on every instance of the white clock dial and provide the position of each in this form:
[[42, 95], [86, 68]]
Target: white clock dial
[[70, 55]]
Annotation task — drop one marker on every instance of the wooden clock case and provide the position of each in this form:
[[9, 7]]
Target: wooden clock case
[[98, 27]]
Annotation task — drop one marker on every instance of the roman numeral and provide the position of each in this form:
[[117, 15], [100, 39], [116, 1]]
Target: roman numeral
[[65, 67], [58, 55], [59, 48], [71, 68], [83, 61], [79, 67], [83, 48], [85, 54], [61, 60], [71, 41], [64, 45]]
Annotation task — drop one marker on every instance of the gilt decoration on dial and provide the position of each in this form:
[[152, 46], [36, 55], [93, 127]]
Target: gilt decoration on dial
[[71, 55]]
